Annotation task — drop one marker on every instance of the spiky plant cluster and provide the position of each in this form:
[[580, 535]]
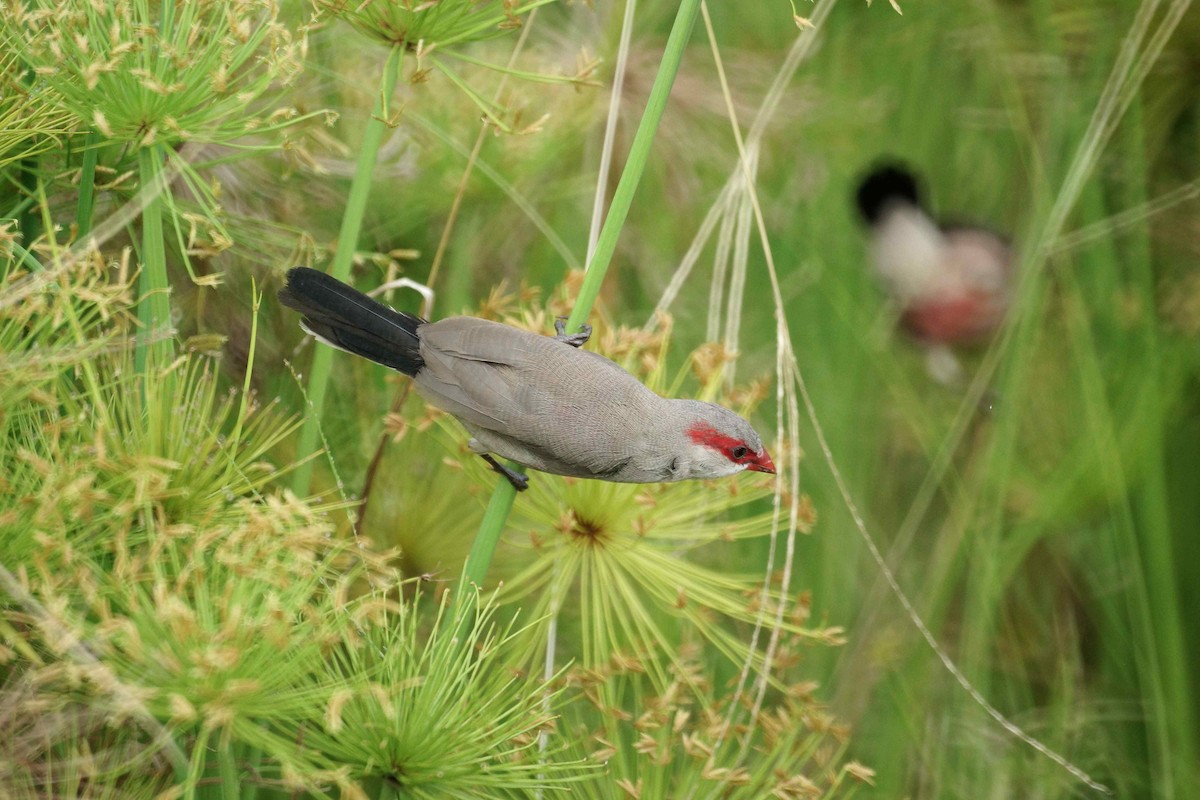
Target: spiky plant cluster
[[643, 569], [633, 571], [416, 456], [687, 741], [102, 458], [55, 747], [437, 710], [30, 123], [155, 76], [430, 23], [212, 633], [148, 72], [177, 620], [433, 28], [146, 573]]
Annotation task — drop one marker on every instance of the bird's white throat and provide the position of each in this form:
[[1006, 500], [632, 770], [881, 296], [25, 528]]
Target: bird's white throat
[[907, 251]]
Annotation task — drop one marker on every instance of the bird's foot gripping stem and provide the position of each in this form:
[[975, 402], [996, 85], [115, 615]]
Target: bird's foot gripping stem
[[519, 482], [573, 339]]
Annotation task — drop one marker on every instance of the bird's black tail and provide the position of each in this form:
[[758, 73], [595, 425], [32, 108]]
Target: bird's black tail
[[345, 318]]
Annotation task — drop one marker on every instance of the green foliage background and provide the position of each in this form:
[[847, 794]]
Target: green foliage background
[[178, 621]]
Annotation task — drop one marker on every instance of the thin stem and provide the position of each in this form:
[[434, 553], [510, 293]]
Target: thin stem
[[352, 219], [639, 154], [498, 508], [16, 211], [196, 766], [360, 517], [87, 185], [610, 126], [489, 532], [228, 768], [29, 259], [27, 223], [252, 756], [154, 304]]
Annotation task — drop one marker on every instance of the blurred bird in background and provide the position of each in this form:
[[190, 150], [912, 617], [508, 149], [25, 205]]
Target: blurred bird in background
[[951, 283]]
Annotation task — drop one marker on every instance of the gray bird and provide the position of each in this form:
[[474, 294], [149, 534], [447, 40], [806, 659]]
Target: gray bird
[[540, 401]]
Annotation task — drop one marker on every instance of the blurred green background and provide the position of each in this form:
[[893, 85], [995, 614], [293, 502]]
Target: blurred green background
[[1047, 534], [1048, 538]]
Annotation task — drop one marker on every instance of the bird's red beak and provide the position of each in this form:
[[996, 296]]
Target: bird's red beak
[[762, 463]]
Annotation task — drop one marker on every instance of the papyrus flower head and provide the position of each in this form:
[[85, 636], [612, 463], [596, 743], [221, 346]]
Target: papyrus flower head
[[146, 72], [436, 23]]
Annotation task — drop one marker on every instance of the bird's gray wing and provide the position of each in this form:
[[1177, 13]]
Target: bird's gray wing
[[493, 375], [567, 405]]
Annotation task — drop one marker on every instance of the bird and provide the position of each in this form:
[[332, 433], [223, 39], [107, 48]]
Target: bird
[[951, 282], [541, 401]]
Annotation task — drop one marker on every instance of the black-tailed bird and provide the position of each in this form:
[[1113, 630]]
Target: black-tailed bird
[[541, 401], [952, 283]]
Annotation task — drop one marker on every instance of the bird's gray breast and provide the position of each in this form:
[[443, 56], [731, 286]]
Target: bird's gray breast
[[575, 409]]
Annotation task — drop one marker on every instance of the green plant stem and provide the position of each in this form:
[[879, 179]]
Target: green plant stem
[[27, 222], [352, 219], [253, 758], [27, 257], [228, 768], [16, 211], [501, 503], [635, 165], [195, 771], [154, 303], [485, 542], [87, 185]]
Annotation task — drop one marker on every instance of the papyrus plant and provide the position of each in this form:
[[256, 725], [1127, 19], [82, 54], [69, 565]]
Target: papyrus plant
[[29, 122], [640, 570], [155, 76], [686, 739], [429, 711]]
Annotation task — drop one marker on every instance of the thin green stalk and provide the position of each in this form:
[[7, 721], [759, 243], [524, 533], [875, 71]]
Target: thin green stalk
[[489, 531], [639, 154], [27, 257], [27, 222], [154, 303], [20, 208], [498, 508], [252, 756], [87, 185], [352, 219], [195, 769], [228, 768], [1176, 730]]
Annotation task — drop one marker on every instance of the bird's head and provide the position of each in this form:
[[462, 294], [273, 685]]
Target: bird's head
[[886, 186], [721, 443]]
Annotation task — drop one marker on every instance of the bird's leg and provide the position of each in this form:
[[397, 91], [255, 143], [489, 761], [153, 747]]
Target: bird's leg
[[943, 366], [520, 482], [573, 339]]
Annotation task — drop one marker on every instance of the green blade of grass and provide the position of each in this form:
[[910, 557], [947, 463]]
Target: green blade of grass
[[154, 303], [87, 185]]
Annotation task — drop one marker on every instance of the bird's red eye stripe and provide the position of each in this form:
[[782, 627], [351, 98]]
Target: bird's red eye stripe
[[708, 436]]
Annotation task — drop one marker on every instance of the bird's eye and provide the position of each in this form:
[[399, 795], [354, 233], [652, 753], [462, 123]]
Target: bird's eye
[[739, 452]]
